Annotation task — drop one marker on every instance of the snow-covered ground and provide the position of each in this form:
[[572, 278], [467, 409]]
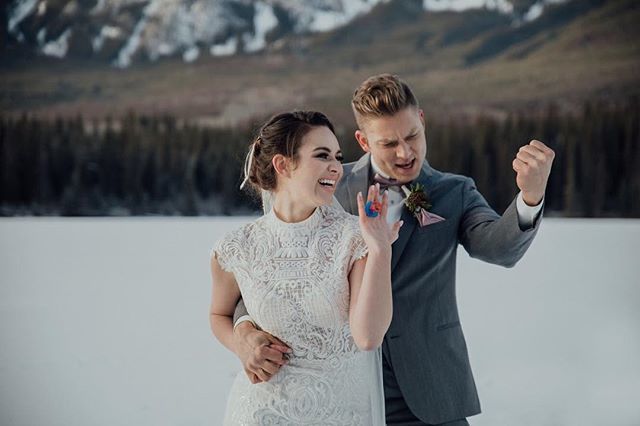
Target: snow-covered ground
[[105, 322]]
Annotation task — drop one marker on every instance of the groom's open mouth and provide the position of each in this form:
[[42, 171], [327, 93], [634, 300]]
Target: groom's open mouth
[[406, 165]]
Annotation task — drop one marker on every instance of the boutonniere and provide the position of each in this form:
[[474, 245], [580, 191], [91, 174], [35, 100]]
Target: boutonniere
[[418, 204]]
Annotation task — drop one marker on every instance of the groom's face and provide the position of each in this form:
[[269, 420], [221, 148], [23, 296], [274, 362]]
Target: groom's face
[[397, 143]]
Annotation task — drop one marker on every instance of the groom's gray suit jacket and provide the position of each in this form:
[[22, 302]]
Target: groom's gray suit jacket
[[425, 340]]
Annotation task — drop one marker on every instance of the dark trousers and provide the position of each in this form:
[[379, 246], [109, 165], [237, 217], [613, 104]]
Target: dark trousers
[[397, 411]]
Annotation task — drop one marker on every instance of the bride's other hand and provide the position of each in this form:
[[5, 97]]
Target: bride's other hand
[[261, 354], [377, 233], [370, 304]]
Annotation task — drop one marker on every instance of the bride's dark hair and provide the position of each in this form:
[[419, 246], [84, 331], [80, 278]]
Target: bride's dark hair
[[282, 134]]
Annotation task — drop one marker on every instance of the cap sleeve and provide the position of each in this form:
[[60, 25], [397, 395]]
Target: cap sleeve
[[357, 247], [227, 251]]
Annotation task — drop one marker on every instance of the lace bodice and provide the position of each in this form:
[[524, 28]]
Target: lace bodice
[[293, 280]]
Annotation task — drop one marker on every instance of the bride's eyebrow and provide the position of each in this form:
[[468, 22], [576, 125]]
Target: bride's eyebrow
[[325, 149]]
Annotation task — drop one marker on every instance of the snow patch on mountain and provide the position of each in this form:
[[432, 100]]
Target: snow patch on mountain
[[42, 8], [535, 11], [168, 27], [42, 36], [191, 54], [329, 19], [264, 21], [99, 7], [227, 48], [71, 8], [502, 6], [124, 56], [21, 9], [105, 32], [58, 47]]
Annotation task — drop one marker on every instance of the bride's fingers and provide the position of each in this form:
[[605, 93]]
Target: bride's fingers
[[360, 200], [270, 368], [280, 348], [396, 230], [385, 205], [262, 375], [253, 378], [371, 195], [273, 355]]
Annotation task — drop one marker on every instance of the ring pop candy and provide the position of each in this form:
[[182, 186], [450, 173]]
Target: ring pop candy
[[372, 208]]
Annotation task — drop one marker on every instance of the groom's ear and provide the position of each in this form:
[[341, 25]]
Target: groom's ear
[[362, 140], [422, 119]]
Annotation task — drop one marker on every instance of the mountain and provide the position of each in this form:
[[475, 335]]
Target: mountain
[[122, 32], [520, 55]]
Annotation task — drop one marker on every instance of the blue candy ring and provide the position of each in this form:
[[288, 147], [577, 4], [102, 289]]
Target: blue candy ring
[[368, 211]]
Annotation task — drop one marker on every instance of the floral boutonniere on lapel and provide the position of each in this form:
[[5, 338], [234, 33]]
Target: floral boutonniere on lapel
[[418, 204]]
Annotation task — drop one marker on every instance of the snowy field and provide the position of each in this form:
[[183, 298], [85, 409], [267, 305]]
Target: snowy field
[[105, 322]]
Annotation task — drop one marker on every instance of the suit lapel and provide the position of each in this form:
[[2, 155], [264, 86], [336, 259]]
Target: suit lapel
[[407, 229], [410, 222], [358, 181]]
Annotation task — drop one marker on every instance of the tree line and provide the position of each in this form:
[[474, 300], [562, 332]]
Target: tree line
[[146, 165]]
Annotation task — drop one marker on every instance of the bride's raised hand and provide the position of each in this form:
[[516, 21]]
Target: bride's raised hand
[[377, 233]]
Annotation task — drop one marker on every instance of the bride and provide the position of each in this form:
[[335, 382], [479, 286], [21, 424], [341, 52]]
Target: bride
[[311, 274]]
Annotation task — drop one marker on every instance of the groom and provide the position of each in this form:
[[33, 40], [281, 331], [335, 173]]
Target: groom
[[427, 376]]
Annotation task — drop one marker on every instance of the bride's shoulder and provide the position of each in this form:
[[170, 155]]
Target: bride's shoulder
[[234, 244], [244, 232], [340, 218]]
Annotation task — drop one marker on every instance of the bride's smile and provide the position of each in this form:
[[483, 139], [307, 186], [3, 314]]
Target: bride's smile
[[310, 179]]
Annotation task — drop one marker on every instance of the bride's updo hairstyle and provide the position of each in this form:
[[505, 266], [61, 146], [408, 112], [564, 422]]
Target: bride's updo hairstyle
[[283, 135]]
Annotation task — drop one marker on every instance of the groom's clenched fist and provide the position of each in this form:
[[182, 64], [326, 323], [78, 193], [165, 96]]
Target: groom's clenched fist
[[533, 165]]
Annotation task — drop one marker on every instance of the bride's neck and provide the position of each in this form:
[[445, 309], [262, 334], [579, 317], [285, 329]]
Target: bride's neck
[[291, 209]]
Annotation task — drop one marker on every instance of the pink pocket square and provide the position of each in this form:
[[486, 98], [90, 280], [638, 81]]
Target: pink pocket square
[[426, 218]]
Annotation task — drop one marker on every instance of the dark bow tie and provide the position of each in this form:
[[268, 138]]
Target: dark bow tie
[[387, 183]]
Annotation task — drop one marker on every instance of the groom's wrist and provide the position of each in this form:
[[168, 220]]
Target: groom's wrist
[[532, 200]]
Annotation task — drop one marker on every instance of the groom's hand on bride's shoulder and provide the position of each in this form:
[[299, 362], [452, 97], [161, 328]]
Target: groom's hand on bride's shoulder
[[533, 166], [261, 354]]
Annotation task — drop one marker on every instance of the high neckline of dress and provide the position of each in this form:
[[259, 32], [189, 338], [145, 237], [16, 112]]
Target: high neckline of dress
[[309, 223]]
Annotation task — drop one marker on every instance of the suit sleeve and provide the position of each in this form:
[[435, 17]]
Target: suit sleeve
[[488, 236], [240, 311]]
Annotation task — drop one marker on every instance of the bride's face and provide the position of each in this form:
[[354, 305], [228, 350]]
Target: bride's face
[[318, 168]]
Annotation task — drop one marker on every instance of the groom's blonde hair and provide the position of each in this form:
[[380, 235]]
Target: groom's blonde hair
[[381, 95]]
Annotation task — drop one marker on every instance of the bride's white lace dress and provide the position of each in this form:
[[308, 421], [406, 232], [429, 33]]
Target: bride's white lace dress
[[293, 280]]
